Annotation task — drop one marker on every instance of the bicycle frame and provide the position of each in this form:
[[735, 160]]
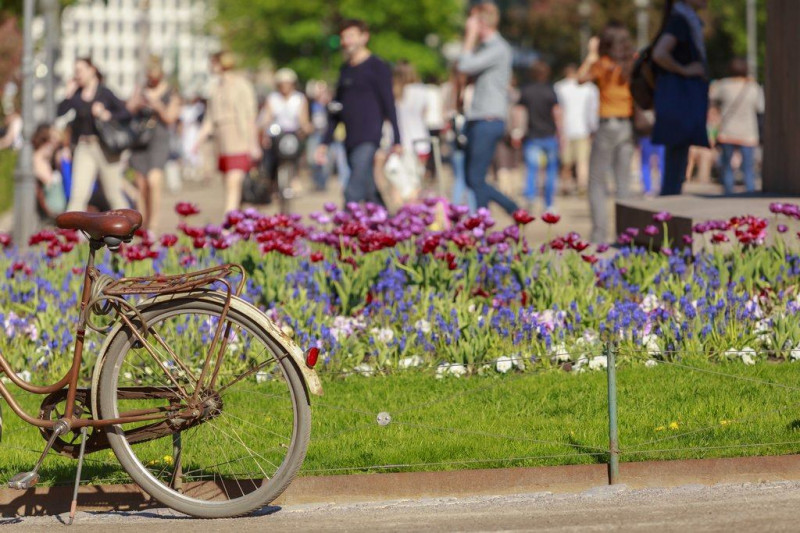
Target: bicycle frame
[[113, 292]]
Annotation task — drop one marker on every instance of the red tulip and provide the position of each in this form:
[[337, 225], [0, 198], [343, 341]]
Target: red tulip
[[186, 209], [168, 240], [591, 259], [523, 217], [316, 257], [551, 218]]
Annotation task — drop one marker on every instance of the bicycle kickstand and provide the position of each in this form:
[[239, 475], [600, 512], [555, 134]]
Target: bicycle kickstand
[[74, 505], [26, 480]]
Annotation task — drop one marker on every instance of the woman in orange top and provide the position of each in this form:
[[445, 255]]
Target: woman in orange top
[[608, 64]]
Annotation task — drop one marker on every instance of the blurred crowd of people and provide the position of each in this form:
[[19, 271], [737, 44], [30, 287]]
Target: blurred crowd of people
[[512, 138]]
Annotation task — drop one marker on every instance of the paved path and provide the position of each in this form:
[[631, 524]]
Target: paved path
[[209, 196], [696, 508]]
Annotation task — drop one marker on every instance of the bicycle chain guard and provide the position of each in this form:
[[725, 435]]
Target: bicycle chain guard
[[69, 444]]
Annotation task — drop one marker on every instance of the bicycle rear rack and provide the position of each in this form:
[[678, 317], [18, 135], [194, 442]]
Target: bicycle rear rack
[[154, 285]]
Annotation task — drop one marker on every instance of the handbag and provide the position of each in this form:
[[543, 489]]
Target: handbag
[[644, 73], [118, 136], [256, 188]]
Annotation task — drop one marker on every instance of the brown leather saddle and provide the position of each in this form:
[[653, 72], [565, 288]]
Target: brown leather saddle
[[118, 225]]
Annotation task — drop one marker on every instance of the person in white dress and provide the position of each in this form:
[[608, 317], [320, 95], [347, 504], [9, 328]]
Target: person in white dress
[[404, 171]]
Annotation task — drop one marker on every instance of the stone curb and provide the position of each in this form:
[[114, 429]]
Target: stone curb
[[416, 485]]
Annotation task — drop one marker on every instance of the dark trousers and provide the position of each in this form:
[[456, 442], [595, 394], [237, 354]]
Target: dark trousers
[[676, 159], [482, 139], [361, 185]]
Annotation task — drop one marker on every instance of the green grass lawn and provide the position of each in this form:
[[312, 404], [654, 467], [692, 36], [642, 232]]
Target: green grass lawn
[[550, 418]]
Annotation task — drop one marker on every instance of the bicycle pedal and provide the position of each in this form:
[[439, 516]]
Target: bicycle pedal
[[23, 480]]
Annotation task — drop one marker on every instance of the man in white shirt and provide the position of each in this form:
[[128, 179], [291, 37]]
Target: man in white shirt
[[579, 104]]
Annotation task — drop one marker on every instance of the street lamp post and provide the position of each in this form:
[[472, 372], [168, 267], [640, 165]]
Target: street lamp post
[[752, 44], [24, 180], [585, 12], [642, 23], [50, 8]]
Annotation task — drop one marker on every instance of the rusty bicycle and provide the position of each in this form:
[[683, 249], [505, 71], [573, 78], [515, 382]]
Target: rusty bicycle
[[201, 397]]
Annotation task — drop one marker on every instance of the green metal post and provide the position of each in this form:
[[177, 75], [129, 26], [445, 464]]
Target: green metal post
[[613, 430]]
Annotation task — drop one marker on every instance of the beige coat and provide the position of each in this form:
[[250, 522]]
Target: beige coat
[[232, 111]]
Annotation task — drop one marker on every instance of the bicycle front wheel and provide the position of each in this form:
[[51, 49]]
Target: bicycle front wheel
[[241, 445]]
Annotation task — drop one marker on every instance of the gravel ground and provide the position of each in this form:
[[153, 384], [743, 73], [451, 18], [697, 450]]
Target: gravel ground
[[696, 508]]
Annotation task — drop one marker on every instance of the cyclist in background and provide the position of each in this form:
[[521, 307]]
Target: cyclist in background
[[285, 111]]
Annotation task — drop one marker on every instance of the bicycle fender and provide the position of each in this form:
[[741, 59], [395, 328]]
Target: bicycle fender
[[310, 377]]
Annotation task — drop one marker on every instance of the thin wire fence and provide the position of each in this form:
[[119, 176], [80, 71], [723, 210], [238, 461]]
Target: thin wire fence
[[395, 422]]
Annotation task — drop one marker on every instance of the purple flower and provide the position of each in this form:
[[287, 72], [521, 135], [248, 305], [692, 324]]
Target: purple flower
[[624, 239], [776, 208], [687, 240], [782, 228], [330, 207], [663, 216], [602, 248], [633, 232], [651, 230]]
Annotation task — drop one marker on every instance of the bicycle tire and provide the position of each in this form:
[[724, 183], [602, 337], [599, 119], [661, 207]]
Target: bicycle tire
[[283, 374]]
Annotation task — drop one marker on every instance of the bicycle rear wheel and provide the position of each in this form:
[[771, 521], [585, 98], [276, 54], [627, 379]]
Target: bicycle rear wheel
[[252, 435]]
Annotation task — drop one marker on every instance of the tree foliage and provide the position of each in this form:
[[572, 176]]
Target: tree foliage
[[552, 27], [303, 34]]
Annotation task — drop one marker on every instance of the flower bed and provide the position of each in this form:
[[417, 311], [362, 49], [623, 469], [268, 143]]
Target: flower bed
[[436, 287]]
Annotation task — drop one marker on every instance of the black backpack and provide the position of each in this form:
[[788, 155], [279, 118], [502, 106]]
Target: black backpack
[[643, 74]]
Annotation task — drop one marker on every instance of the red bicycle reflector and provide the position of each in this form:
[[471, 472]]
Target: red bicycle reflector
[[311, 357]]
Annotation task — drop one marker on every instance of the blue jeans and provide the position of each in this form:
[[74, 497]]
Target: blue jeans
[[648, 151], [461, 195], [533, 156], [748, 166], [482, 138], [361, 184], [676, 159]]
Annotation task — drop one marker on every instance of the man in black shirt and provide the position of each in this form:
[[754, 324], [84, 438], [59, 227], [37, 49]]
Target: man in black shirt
[[544, 125], [363, 101]]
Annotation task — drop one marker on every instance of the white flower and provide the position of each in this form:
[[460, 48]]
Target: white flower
[[649, 303], [423, 325], [794, 355], [471, 309], [650, 363], [454, 369], [507, 362], [590, 336], [287, 330], [650, 343], [747, 354], [580, 364], [384, 335], [755, 309], [261, 376], [32, 332], [598, 362], [560, 353], [25, 375], [410, 362], [364, 369]]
